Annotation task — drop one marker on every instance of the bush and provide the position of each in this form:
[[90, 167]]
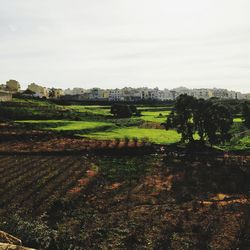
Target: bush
[[126, 139], [121, 111]]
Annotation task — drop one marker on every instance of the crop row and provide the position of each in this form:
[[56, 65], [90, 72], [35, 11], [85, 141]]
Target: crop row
[[15, 186], [33, 183]]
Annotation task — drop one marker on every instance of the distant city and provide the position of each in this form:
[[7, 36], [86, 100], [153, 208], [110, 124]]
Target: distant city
[[124, 94]]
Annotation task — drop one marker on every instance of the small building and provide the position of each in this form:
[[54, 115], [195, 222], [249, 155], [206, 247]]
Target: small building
[[5, 96], [115, 95]]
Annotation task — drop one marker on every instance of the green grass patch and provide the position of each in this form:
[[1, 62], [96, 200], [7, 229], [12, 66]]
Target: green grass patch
[[152, 108], [237, 145], [238, 119], [91, 110], [159, 136], [155, 116]]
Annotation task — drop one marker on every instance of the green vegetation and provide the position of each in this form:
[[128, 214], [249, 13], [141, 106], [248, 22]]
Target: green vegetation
[[155, 116], [27, 108], [129, 194], [159, 136], [91, 110], [96, 121], [238, 119], [211, 121], [246, 114]]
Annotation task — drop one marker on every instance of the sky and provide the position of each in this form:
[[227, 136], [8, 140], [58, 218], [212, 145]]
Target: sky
[[117, 43]]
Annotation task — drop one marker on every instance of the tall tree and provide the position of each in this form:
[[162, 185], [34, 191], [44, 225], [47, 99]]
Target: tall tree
[[218, 123], [181, 118]]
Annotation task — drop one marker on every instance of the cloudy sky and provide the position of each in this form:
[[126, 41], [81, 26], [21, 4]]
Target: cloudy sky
[[116, 43]]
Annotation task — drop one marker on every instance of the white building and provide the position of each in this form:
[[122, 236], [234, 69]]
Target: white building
[[115, 95], [168, 95], [74, 91], [201, 93], [220, 93]]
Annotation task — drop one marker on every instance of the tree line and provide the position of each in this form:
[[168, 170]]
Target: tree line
[[207, 119], [191, 117]]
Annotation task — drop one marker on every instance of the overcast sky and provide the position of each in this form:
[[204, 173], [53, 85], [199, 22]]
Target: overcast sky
[[116, 43]]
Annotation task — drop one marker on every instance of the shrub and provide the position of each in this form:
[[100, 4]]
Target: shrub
[[126, 139], [117, 140], [135, 139]]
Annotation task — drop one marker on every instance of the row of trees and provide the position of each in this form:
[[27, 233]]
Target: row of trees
[[210, 121]]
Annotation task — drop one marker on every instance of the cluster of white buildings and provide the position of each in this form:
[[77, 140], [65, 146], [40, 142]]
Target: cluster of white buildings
[[123, 94], [137, 94]]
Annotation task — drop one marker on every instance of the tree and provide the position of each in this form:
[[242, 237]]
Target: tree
[[134, 110], [246, 114], [121, 111], [211, 121], [218, 123], [181, 118], [199, 117]]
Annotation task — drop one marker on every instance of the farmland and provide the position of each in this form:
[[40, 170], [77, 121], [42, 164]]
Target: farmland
[[123, 202], [75, 177], [96, 122]]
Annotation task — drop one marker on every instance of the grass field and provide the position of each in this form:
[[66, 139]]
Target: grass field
[[159, 136], [238, 119], [91, 110], [155, 116], [110, 130], [95, 121]]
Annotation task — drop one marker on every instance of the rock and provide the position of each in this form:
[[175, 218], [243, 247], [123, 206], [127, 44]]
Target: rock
[[9, 242], [7, 238], [6, 246]]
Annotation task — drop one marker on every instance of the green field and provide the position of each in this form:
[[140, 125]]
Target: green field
[[91, 110], [155, 116], [96, 122], [159, 136], [238, 119]]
